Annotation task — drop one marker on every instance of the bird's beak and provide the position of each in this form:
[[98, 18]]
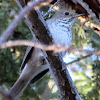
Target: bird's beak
[[78, 15]]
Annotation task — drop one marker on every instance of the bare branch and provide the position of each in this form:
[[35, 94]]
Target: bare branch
[[90, 12], [16, 21], [50, 9], [5, 95], [54, 48], [78, 59], [88, 23]]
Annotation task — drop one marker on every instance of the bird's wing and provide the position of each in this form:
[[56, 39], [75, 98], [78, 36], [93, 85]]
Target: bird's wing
[[39, 76], [31, 73], [26, 57], [42, 72]]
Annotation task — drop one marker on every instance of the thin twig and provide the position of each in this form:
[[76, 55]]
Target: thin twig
[[50, 9], [83, 57], [16, 21], [90, 24], [55, 48]]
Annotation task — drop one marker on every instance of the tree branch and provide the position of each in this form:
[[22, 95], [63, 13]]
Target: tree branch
[[16, 21], [90, 12], [5, 95], [78, 59], [51, 8], [54, 48]]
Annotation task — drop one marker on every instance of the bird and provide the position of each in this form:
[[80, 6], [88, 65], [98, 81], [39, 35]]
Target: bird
[[34, 66], [60, 26]]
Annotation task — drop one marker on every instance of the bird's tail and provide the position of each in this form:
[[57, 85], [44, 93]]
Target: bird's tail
[[18, 88], [26, 76]]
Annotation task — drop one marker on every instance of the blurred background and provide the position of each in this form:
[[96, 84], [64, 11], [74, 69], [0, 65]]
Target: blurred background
[[85, 73]]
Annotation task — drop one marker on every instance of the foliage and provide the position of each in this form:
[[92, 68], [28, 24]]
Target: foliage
[[87, 80]]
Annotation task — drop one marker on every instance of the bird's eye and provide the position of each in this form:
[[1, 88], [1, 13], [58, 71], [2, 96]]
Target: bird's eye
[[66, 13]]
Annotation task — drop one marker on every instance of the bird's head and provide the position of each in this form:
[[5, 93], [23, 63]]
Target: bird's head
[[67, 17]]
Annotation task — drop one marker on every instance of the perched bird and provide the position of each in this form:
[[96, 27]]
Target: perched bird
[[34, 66], [60, 26]]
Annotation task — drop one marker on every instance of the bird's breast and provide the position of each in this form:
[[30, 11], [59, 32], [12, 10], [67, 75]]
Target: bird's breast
[[61, 33]]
